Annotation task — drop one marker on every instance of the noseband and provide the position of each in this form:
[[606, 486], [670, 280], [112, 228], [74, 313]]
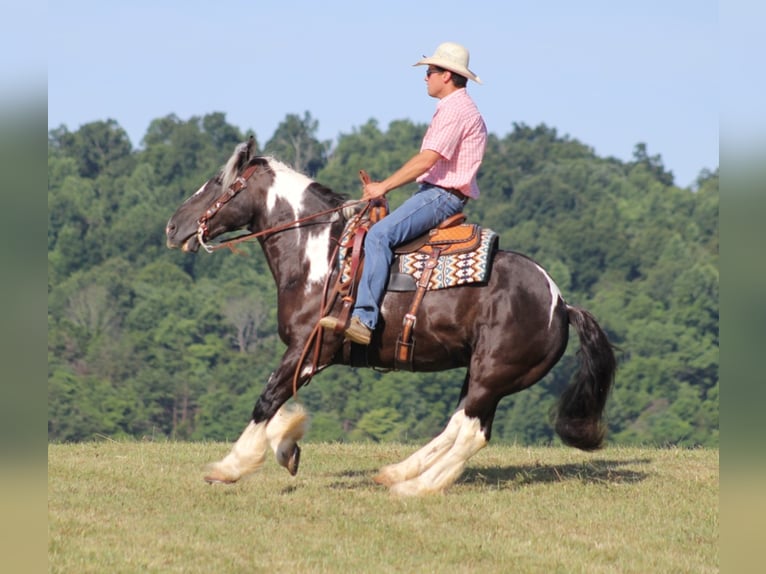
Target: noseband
[[239, 184]]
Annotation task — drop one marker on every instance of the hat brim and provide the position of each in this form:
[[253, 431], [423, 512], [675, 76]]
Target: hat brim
[[447, 65]]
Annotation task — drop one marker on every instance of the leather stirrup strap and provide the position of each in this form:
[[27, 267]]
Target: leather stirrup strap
[[405, 345]]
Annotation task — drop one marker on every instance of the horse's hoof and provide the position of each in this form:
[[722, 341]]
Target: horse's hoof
[[409, 488], [213, 480], [216, 476], [294, 461], [383, 479]]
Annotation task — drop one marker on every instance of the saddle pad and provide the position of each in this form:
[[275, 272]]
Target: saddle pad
[[456, 269]]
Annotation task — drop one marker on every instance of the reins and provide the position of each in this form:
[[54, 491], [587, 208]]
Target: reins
[[247, 236]]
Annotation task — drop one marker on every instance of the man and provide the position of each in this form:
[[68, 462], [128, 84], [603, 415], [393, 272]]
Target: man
[[446, 167]]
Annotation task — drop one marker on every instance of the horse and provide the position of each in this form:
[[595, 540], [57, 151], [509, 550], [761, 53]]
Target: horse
[[508, 332]]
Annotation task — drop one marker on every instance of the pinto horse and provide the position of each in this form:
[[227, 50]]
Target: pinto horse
[[509, 331]]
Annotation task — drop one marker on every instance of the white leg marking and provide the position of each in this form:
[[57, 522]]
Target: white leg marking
[[422, 459], [285, 429], [246, 455], [446, 470], [555, 294]]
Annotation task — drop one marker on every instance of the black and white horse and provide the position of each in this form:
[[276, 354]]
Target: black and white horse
[[509, 332]]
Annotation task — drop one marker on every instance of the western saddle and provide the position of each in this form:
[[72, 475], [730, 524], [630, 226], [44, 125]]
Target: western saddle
[[451, 237]]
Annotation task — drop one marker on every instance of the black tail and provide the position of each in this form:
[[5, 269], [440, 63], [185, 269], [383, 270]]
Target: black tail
[[580, 409]]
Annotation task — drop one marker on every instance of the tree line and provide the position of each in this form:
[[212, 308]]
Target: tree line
[[148, 342]]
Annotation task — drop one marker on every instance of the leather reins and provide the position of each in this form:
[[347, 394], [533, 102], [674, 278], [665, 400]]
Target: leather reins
[[239, 184]]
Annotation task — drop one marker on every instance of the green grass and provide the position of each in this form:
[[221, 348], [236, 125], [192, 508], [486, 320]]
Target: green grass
[[130, 507]]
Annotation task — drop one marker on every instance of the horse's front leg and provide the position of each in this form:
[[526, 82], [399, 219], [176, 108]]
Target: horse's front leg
[[284, 431], [273, 425]]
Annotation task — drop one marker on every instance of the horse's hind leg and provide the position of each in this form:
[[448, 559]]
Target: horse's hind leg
[[444, 470], [422, 459], [419, 461]]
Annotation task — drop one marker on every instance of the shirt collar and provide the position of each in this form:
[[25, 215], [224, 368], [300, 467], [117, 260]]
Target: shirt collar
[[452, 96]]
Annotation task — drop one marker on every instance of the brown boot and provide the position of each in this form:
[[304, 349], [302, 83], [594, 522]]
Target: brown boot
[[358, 332], [329, 322]]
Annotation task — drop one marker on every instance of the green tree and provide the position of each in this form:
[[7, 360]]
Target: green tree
[[653, 163], [144, 341], [295, 142], [96, 147]]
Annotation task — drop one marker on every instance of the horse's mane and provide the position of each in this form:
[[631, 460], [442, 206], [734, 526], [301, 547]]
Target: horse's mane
[[242, 158], [327, 194]]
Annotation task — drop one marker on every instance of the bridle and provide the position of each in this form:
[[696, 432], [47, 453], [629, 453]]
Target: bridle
[[239, 184]]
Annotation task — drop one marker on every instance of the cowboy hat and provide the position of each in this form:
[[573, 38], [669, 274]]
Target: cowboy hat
[[452, 57]]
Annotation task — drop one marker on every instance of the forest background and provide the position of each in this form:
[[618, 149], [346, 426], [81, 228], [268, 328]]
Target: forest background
[[146, 342]]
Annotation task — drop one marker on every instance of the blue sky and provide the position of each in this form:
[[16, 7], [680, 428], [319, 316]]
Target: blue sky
[[610, 74]]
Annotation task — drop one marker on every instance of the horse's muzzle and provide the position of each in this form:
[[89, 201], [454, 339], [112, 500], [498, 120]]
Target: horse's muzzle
[[191, 245]]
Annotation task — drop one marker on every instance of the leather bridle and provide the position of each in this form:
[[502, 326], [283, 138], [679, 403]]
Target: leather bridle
[[239, 184]]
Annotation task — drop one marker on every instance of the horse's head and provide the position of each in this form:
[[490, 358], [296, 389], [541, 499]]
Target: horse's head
[[213, 209], [260, 194]]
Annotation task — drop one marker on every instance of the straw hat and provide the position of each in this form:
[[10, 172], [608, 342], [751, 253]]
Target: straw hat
[[452, 57]]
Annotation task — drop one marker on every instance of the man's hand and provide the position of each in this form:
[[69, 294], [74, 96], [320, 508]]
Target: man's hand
[[416, 166], [374, 190]]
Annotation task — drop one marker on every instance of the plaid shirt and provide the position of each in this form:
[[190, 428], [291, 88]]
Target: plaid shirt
[[458, 134]]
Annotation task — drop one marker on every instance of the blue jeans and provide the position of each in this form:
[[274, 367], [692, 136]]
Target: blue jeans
[[426, 209]]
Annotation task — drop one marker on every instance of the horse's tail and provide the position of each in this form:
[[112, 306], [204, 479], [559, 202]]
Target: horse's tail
[[578, 419]]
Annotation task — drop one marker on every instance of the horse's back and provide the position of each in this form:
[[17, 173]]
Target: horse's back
[[520, 303]]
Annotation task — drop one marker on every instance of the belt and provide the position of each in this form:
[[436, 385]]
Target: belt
[[456, 192]]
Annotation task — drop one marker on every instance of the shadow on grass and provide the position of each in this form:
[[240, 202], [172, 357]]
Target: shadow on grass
[[592, 472], [354, 479]]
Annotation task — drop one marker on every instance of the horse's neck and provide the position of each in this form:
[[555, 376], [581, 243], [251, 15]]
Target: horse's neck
[[284, 255], [300, 259]]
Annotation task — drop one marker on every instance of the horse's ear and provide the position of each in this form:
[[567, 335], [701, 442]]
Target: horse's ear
[[244, 152]]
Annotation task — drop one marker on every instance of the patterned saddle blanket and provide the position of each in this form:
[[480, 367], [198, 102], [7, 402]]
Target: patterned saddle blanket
[[466, 257]]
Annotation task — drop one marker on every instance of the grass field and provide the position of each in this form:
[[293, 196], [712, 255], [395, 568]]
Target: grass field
[[143, 507]]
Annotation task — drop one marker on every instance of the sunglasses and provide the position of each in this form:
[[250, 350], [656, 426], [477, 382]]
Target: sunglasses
[[434, 71]]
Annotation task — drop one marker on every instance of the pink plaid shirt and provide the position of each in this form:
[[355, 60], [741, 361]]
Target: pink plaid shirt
[[457, 133]]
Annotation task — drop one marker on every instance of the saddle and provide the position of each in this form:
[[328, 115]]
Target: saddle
[[453, 237]]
